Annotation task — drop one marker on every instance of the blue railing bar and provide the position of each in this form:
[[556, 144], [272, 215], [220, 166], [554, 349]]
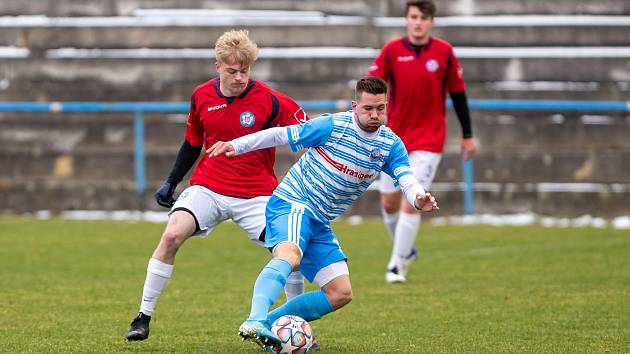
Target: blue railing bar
[[313, 105], [467, 176], [138, 157], [549, 105]]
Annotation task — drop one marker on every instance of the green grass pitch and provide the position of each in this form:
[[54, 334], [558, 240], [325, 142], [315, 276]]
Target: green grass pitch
[[73, 287]]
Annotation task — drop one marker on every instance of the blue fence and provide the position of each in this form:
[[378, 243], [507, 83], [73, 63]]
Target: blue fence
[[139, 108]]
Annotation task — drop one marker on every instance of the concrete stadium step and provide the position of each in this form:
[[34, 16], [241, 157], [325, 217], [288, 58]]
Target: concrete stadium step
[[59, 195], [176, 32], [601, 165], [526, 131], [348, 7], [127, 7], [137, 79], [66, 132], [543, 131]]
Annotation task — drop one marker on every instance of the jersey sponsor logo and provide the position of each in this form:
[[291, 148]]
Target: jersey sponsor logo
[[247, 119], [432, 65], [375, 154], [406, 58], [183, 195], [342, 167], [210, 109], [300, 116]]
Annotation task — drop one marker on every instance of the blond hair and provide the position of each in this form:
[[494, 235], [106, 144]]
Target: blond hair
[[235, 47]]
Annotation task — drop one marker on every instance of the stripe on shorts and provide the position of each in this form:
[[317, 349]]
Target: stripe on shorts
[[295, 224]]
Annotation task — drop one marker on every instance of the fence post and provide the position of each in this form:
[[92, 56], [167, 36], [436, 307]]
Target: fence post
[[468, 172], [138, 156]]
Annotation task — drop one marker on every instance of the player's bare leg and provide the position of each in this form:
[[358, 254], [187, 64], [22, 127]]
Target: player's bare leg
[[180, 227]]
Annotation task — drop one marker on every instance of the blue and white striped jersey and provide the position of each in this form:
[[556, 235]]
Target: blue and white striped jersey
[[341, 162]]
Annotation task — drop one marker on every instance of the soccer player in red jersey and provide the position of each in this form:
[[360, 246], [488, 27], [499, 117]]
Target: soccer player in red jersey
[[222, 109], [421, 70]]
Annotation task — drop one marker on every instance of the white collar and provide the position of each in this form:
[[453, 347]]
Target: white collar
[[362, 132]]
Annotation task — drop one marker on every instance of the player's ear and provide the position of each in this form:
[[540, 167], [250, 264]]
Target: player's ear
[[354, 105], [217, 65]]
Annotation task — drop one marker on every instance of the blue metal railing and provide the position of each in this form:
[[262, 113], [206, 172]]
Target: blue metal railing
[[139, 108]]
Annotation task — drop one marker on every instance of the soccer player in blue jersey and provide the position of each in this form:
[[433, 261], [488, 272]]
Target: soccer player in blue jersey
[[346, 152]]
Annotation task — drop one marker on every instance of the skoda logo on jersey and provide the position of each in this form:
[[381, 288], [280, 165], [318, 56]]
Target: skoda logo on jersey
[[183, 195], [375, 154], [247, 119], [432, 65]]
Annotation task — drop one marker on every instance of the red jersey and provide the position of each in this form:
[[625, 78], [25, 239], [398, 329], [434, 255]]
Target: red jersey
[[418, 82], [214, 117]]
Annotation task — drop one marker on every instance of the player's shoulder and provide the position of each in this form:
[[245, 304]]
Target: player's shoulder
[[339, 117], [394, 43], [205, 86], [441, 43], [387, 134], [261, 86]]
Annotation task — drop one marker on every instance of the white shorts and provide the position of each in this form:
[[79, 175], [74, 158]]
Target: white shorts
[[423, 164], [210, 209]]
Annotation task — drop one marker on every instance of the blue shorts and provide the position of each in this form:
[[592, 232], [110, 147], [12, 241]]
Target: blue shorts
[[292, 222]]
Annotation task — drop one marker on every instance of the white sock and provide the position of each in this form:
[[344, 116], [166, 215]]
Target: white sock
[[294, 285], [158, 274], [390, 221], [406, 231]]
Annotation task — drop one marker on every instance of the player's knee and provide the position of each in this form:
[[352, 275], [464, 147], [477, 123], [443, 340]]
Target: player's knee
[[290, 253], [342, 297], [390, 203], [172, 240]]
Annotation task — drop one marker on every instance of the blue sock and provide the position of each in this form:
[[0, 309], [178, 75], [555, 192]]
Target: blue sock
[[310, 306], [268, 286]]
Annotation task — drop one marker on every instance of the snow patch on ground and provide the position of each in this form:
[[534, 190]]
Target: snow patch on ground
[[621, 222]]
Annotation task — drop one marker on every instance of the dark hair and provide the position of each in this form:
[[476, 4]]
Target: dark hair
[[427, 7], [371, 84]]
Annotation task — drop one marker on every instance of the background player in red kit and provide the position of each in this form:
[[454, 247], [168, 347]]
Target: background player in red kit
[[222, 109], [420, 70]]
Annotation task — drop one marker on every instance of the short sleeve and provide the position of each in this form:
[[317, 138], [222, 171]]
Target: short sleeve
[[194, 128], [455, 74], [380, 66], [289, 112], [313, 133], [397, 164]]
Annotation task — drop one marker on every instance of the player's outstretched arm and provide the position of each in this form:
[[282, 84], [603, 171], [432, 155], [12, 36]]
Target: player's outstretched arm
[[221, 147], [261, 140], [425, 202], [416, 195]]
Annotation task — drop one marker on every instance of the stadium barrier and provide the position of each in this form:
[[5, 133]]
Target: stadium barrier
[[139, 108]]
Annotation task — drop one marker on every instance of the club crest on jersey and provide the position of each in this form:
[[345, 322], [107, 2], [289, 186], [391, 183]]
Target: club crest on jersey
[[375, 154], [432, 65], [247, 119]]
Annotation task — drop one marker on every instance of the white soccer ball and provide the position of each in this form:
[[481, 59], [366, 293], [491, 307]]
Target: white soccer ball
[[294, 332]]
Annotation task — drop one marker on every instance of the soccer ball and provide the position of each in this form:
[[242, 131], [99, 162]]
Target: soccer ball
[[294, 332]]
